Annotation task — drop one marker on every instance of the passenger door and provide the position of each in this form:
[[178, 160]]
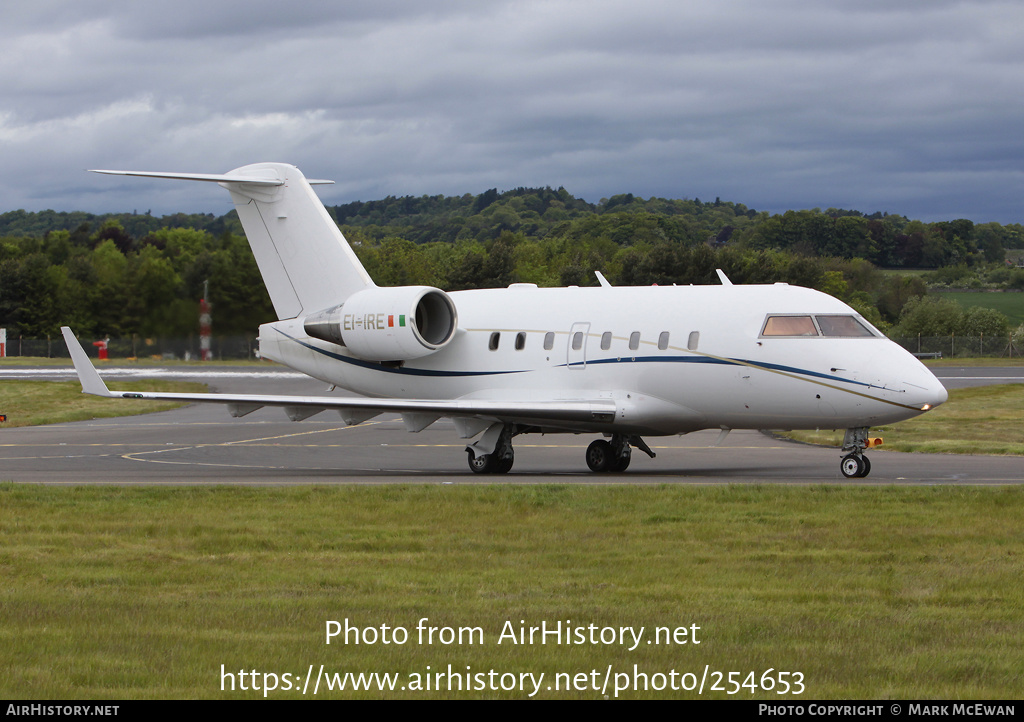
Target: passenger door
[[577, 351]]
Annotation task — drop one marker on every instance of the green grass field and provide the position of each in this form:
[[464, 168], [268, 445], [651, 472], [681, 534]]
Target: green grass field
[[976, 420], [31, 403], [867, 592], [1010, 304], [35, 361], [974, 362]]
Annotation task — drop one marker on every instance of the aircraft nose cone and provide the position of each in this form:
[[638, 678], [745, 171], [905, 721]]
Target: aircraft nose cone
[[934, 395], [924, 390]]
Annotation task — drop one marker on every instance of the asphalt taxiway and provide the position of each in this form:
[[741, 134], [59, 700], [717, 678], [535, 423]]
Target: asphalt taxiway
[[202, 444]]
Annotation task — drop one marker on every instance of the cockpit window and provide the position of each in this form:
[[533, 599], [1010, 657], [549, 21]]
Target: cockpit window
[[835, 326], [789, 326], [842, 326]]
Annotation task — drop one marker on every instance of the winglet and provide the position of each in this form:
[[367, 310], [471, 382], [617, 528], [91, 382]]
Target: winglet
[[87, 374]]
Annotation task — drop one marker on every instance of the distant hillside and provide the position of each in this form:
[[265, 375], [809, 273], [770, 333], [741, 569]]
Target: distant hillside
[[534, 212], [131, 273], [137, 225]]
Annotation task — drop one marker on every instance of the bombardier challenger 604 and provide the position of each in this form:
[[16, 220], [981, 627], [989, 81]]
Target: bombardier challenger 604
[[620, 363]]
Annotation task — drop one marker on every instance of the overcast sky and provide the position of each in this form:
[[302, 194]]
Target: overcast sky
[[905, 106]]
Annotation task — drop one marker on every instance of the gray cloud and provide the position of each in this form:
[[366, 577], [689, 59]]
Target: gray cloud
[[906, 106]]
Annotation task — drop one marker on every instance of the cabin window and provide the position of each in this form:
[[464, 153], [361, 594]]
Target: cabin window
[[693, 340], [847, 326], [495, 339], [577, 341], [634, 341], [520, 341], [549, 340], [789, 326], [663, 340], [606, 340]]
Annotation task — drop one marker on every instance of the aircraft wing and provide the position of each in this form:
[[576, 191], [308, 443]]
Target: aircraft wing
[[417, 413]]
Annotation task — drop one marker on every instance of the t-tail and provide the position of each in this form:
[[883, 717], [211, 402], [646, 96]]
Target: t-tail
[[304, 259], [313, 275]]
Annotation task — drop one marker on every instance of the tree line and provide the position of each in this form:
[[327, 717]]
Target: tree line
[[109, 284], [126, 274]]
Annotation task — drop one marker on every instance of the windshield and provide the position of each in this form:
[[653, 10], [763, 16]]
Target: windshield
[[832, 325]]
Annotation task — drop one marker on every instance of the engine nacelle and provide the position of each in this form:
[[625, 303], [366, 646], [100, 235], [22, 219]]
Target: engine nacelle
[[388, 324]]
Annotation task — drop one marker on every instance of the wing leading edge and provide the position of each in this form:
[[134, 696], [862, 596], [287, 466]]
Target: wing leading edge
[[561, 413]]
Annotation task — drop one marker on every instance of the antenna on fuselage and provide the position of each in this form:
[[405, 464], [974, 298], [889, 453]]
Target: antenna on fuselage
[[722, 277]]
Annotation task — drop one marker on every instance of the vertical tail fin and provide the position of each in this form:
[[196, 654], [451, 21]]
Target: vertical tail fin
[[304, 259]]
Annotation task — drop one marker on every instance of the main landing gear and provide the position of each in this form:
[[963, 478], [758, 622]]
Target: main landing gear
[[501, 459], [602, 455], [855, 465], [613, 455]]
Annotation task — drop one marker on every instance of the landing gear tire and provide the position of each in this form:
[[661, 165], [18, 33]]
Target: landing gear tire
[[504, 464], [855, 466], [611, 455], [483, 464], [599, 456], [491, 463]]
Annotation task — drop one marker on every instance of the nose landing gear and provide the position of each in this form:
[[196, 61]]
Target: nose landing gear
[[855, 465]]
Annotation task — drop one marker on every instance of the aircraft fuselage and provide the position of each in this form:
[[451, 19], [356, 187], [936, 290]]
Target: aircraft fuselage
[[619, 361], [674, 359]]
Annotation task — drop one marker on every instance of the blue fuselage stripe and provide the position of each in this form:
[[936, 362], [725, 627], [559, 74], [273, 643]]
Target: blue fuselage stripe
[[405, 370], [409, 371]]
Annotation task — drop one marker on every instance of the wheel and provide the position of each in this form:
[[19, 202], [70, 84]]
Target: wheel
[[867, 467], [483, 464], [504, 464], [854, 466], [620, 464], [599, 456]]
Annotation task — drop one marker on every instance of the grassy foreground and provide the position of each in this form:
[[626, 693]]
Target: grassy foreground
[[974, 362], [976, 420], [32, 403], [868, 592]]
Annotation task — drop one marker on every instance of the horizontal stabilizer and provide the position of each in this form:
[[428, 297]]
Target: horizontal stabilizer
[[269, 180], [306, 263], [209, 177]]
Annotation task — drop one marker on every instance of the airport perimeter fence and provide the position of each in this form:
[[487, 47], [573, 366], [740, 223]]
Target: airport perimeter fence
[[222, 348], [247, 347], [962, 346]]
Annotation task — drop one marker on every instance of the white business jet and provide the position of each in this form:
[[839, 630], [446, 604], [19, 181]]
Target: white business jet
[[620, 362]]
